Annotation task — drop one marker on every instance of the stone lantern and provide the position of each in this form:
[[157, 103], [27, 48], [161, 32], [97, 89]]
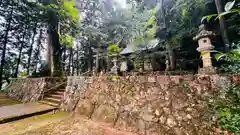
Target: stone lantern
[[205, 48]]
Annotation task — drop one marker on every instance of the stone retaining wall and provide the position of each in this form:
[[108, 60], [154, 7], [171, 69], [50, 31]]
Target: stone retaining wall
[[75, 87], [149, 105], [26, 89], [31, 89]]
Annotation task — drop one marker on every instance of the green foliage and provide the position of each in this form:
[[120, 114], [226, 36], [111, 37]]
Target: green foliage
[[65, 9], [70, 9], [66, 40], [152, 23], [233, 59], [67, 15], [232, 67], [135, 25], [233, 55], [229, 120], [228, 10], [140, 58], [227, 109], [185, 86], [113, 48]]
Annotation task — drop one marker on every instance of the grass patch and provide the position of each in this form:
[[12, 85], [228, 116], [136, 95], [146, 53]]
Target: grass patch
[[5, 100]]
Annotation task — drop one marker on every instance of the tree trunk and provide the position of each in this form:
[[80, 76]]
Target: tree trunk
[[31, 49], [55, 45], [77, 60], [222, 25], [38, 48], [5, 41], [90, 51], [18, 61], [20, 53], [49, 55], [64, 58], [171, 56], [69, 61], [142, 62], [90, 59], [73, 62]]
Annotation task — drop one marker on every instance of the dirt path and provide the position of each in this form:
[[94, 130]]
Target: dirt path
[[76, 126], [57, 124], [32, 123], [23, 110]]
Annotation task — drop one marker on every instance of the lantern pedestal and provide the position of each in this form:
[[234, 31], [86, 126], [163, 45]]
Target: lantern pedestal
[[115, 68]]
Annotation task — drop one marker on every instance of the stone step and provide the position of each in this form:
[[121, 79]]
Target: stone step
[[59, 96], [58, 93], [54, 100], [63, 90], [49, 103]]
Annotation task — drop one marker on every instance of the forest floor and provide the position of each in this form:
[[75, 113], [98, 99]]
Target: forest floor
[[60, 123]]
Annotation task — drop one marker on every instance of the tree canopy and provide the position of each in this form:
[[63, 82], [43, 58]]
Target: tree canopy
[[70, 31]]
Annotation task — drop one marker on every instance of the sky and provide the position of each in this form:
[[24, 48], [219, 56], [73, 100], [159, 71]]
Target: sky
[[123, 3]]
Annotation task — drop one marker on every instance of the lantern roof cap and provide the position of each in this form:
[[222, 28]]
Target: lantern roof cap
[[203, 32]]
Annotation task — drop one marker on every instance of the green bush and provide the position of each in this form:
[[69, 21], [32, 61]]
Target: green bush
[[233, 59], [227, 110]]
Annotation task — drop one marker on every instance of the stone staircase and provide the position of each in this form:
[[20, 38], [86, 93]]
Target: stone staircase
[[53, 97], [54, 92]]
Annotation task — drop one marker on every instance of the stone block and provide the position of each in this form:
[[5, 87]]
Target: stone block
[[85, 108], [105, 113], [171, 122]]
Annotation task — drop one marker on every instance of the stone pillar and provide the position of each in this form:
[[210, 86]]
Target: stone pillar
[[123, 65], [97, 56], [97, 60], [148, 64], [205, 48], [114, 69], [167, 65]]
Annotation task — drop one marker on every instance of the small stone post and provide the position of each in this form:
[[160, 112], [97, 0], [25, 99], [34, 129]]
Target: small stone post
[[114, 69], [205, 47]]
